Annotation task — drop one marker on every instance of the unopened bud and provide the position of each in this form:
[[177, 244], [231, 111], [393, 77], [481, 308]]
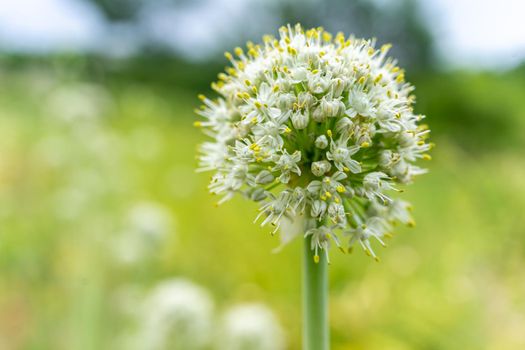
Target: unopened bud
[[331, 108], [321, 167], [305, 99], [300, 120], [318, 208], [264, 177], [318, 115], [286, 101], [258, 194], [321, 142]]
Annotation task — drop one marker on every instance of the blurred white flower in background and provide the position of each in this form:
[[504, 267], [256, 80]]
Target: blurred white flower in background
[[250, 327], [177, 314], [79, 101], [147, 225]]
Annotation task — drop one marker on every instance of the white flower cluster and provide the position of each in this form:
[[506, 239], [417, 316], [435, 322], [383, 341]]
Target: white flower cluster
[[147, 228], [178, 314], [315, 125], [251, 326]]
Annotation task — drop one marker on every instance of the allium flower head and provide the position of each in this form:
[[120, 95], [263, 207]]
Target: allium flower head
[[148, 225], [176, 315], [251, 327], [313, 125]]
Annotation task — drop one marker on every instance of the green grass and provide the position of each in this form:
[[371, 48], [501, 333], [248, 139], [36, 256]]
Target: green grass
[[455, 281]]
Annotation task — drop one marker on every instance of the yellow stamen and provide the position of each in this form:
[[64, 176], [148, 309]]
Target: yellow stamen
[[217, 86], [386, 47], [340, 38]]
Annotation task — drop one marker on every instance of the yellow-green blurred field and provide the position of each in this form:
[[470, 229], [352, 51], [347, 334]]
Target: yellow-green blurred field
[[76, 156]]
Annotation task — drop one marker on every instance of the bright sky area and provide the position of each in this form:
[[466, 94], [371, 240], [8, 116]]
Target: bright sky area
[[483, 33]]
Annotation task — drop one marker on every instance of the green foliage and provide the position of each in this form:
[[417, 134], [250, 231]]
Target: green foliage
[[480, 112]]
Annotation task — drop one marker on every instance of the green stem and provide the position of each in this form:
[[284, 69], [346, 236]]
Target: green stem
[[315, 298]]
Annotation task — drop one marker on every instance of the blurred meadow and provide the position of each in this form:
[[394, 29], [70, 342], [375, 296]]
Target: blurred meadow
[[100, 202]]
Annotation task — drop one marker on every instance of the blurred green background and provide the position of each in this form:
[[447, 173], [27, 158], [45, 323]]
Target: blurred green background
[[97, 144]]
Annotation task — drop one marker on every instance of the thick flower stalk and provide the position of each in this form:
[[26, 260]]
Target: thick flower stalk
[[318, 126]]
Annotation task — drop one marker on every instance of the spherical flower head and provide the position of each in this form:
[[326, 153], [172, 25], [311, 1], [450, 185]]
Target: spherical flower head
[[177, 314], [250, 326], [148, 226], [319, 126]]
